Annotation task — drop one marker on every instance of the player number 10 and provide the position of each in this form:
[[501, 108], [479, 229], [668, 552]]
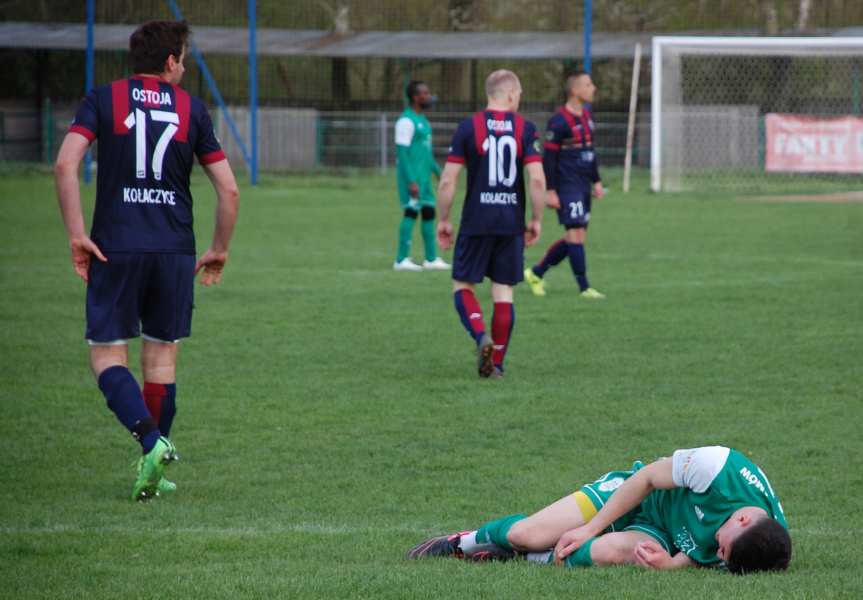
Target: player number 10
[[138, 120], [496, 148]]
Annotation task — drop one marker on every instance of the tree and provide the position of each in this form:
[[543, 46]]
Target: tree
[[340, 14], [457, 75]]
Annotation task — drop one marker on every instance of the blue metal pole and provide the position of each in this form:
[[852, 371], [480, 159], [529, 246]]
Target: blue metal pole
[[253, 89], [214, 89], [588, 32], [89, 77]]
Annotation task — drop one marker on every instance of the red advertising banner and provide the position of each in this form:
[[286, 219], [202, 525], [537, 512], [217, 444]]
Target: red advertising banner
[[813, 145]]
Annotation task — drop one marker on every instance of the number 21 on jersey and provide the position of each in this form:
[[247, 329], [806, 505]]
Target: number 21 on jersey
[[138, 120]]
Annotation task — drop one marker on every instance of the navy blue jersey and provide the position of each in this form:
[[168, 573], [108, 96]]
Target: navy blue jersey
[[570, 161], [149, 132], [495, 146]]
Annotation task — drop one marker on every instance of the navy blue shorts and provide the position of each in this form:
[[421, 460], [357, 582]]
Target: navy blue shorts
[[574, 211], [498, 257], [133, 294]]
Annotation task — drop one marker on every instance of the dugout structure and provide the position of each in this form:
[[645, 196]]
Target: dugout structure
[[324, 99], [717, 103]]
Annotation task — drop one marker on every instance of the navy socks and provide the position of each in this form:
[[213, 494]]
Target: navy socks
[[124, 398], [579, 264], [555, 253]]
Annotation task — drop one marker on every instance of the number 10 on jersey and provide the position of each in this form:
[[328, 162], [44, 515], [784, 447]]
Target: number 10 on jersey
[[505, 174]]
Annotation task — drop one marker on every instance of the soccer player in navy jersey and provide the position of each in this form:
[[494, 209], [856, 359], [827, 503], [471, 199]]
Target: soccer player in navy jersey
[[496, 145], [572, 177], [141, 281]]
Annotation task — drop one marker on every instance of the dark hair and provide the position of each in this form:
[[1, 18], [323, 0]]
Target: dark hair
[[413, 89], [571, 79], [153, 42], [764, 546]]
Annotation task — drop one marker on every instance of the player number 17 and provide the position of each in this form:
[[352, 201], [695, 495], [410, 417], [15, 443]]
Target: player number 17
[[138, 120]]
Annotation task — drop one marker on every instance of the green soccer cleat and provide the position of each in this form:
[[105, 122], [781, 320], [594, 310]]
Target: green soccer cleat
[[164, 486], [536, 283], [592, 294], [151, 468]]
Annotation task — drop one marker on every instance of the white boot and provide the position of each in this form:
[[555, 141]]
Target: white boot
[[437, 264], [406, 264]]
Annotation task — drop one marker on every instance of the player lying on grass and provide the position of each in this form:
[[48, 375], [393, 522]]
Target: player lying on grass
[[708, 506]]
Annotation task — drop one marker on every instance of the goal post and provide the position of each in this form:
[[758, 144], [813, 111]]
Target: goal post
[[711, 96]]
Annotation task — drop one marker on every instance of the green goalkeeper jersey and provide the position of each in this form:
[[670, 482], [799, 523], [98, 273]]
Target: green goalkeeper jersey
[[414, 158], [713, 483]]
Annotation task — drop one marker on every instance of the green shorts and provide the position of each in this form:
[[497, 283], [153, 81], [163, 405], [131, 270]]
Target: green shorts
[[638, 519], [426, 197]]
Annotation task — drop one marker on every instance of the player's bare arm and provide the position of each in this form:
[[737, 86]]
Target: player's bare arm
[[227, 205], [656, 475], [552, 200], [537, 201], [446, 193], [71, 153]]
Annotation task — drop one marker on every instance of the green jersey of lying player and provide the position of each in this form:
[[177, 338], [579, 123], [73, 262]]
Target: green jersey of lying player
[[708, 506]]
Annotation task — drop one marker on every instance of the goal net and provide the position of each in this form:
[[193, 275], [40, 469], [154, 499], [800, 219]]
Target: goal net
[[756, 114]]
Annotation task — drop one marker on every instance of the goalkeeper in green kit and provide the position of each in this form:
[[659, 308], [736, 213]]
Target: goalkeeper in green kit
[[415, 164]]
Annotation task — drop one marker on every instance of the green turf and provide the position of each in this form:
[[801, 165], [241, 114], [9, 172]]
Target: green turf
[[330, 416]]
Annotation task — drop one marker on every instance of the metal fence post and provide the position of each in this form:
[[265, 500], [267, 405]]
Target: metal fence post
[[47, 131], [89, 77], [253, 90], [383, 134]]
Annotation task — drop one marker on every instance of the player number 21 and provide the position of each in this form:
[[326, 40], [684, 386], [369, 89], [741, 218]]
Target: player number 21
[[138, 120], [496, 148]]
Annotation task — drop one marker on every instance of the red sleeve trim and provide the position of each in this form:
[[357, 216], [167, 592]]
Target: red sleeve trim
[[80, 129], [551, 146], [212, 157], [533, 158], [456, 159]]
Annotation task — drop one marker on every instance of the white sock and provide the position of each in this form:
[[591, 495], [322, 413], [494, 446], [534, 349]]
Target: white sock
[[470, 546], [541, 557]]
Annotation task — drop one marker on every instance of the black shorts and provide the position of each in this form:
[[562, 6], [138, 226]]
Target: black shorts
[[133, 294], [498, 257], [574, 211]]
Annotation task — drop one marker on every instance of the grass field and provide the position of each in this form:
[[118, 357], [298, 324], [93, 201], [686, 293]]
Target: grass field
[[330, 416]]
